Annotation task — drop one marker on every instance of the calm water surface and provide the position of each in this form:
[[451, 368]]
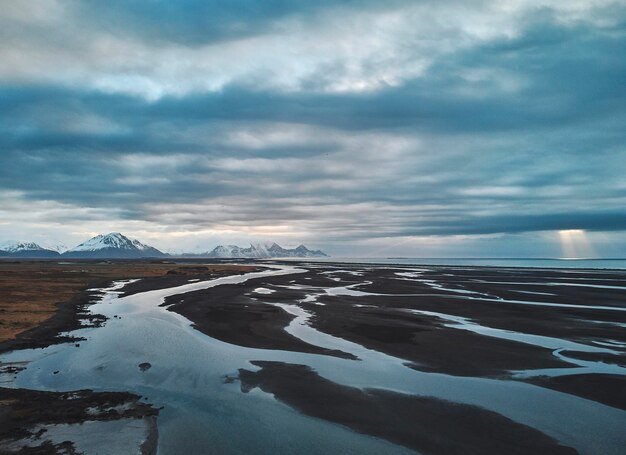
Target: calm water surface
[[489, 262]]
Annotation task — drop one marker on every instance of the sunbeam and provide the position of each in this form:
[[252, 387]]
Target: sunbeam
[[575, 244]]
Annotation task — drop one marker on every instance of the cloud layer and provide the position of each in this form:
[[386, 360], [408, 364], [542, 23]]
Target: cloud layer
[[356, 126]]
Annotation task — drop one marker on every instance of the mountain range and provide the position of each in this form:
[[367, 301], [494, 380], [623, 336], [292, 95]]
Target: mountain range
[[259, 251], [113, 245], [26, 250], [118, 246]]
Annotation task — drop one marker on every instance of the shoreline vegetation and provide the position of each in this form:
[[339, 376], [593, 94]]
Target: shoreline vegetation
[[431, 317]]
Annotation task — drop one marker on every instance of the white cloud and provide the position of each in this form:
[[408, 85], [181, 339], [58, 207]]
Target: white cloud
[[333, 51]]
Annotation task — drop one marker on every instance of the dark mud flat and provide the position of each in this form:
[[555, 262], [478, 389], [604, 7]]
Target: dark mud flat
[[604, 388], [229, 313], [425, 424], [183, 274], [425, 342], [28, 417], [385, 313]]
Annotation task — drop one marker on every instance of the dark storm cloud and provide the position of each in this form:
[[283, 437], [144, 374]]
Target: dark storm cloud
[[503, 134], [577, 76], [568, 73], [514, 223], [198, 22]]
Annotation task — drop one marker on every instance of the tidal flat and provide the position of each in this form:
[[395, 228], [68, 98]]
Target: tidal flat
[[308, 357]]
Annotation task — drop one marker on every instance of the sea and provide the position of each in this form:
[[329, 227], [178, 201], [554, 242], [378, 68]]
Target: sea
[[550, 263]]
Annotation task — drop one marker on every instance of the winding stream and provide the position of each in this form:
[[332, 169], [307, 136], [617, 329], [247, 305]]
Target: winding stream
[[204, 413]]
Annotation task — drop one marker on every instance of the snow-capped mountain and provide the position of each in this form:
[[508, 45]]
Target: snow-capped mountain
[[228, 251], [260, 251], [25, 250], [113, 245], [116, 245], [55, 246]]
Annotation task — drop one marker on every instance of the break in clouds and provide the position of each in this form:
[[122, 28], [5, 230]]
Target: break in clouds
[[368, 128]]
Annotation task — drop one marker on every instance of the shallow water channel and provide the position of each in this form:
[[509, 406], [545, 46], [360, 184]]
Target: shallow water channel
[[204, 413]]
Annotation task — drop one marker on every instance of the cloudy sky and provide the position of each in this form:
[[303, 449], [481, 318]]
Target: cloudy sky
[[371, 128]]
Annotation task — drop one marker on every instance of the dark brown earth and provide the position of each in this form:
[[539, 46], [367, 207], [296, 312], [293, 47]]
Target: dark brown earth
[[21, 411], [428, 425]]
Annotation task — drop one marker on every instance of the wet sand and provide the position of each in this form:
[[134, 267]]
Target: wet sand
[[404, 311], [230, 313], [604, 388], [28, 418], [425, 424]]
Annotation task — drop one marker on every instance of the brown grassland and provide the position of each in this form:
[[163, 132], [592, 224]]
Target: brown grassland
[[31, 291]]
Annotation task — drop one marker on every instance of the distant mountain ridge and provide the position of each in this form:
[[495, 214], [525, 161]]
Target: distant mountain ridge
[[117, 246], [113, 246], [259, 251], [21, 249]]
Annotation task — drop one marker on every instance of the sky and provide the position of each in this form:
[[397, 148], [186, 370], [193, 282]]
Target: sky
[[427, 128]]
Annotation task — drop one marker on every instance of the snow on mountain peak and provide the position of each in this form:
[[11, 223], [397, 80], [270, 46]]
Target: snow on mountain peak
[[21, 249], [112, 240], [14, 246], [52, 245], [113, 245], [261, 251]]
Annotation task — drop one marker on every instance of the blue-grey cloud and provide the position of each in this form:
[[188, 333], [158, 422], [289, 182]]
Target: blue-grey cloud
[[495, 133], [197, 22]]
